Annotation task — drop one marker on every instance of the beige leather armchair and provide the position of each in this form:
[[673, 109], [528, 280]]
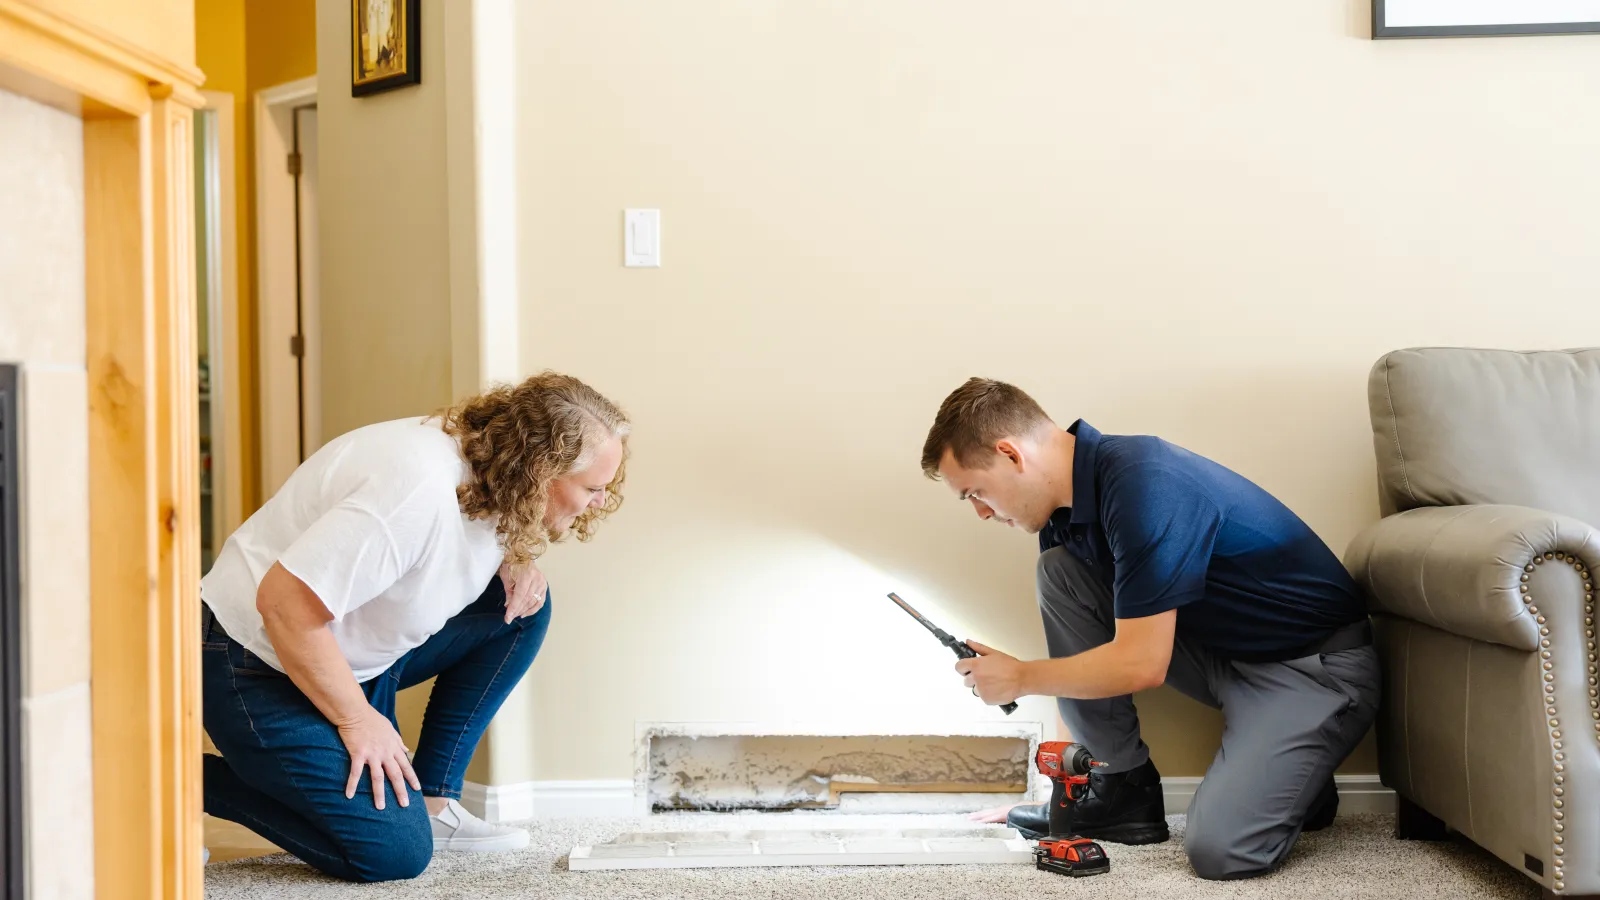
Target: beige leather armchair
[[1481, 579]]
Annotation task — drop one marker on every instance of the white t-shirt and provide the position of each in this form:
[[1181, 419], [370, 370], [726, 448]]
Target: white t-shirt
[[371, 524]]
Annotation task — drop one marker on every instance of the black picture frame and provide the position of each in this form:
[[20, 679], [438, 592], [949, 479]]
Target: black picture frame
[[11, 825], [408, 33], [1382, 30]]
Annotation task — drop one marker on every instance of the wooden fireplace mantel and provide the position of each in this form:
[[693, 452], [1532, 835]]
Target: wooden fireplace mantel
[[126, 67]]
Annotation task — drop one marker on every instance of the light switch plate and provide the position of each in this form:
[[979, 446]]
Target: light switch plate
[[642, 239]]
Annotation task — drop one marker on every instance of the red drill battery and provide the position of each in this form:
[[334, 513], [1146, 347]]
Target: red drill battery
[[1073, 856]]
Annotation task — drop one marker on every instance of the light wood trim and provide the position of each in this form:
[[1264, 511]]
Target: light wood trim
[[227, 379], [144, 501], [177, 636], [92, 40], [123, 509], [61, 71]]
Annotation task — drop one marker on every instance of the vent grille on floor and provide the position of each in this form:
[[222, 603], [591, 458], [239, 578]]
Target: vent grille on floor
[[801, 847]]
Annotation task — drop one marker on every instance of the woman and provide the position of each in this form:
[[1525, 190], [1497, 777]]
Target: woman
[[399, 552]]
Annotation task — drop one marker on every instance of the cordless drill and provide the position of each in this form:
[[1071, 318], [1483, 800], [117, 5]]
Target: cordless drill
[[1067, 766]]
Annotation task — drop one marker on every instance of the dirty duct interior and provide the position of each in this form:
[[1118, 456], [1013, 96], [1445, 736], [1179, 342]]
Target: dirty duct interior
[[778, 772]]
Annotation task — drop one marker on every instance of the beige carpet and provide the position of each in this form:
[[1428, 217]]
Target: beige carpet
[[1356, 859]]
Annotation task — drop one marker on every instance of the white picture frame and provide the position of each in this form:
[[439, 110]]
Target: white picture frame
[[1479, 18]]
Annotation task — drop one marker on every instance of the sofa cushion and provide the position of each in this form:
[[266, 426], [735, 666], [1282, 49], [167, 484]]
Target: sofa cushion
[[1454, 426]]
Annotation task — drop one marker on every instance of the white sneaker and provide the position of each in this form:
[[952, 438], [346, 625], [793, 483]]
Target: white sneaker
[[456, 829]]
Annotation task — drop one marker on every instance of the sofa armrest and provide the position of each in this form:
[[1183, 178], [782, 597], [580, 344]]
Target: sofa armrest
[[1476, 571]]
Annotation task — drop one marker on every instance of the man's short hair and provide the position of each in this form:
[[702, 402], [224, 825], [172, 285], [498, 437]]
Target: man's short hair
[[973, 418]]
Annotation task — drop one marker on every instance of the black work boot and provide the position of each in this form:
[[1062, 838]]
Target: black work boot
[[1125, 808], [1033, 821], [1323, 809]]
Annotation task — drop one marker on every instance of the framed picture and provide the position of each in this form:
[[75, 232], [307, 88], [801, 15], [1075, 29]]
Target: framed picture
[[1453, 18], [384, 51]]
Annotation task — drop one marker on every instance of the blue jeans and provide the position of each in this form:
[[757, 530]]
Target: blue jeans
[[283, 768]]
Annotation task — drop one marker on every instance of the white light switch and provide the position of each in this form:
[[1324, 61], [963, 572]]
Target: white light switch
[[642, 238]]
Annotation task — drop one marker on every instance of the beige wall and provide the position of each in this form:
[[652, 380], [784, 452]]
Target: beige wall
[[42, 328], [384, 245], [1204, 224]]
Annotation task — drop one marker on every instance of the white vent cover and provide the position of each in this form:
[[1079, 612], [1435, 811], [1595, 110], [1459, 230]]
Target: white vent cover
[[797, 847]]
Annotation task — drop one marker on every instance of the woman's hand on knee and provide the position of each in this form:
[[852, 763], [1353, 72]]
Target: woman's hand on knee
[[525, 590], [374, 745]]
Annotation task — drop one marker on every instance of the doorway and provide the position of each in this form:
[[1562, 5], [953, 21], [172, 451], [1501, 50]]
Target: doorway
[[308, 271], [220, 401], [288, 316]]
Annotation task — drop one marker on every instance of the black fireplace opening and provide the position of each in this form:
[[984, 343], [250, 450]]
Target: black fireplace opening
[[10, 644]]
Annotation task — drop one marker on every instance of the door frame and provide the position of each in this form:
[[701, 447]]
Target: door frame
[[277, 284], [13, 850], [226, 381]]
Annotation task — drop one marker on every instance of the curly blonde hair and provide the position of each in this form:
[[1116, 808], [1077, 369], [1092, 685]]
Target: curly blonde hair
[[519, 439]]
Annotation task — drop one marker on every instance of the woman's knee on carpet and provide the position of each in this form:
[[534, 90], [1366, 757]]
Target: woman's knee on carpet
[[398, 850]]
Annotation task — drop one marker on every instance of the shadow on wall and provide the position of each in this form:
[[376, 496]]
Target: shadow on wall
[[1358, 19]]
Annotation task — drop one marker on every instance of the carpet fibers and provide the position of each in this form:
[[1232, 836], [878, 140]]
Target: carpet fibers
[[1356, 859]]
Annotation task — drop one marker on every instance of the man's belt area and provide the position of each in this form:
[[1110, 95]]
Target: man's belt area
[[1356, 634], [1348, 637]]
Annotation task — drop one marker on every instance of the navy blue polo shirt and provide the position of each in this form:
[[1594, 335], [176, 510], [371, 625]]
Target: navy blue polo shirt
[[1165, 528]]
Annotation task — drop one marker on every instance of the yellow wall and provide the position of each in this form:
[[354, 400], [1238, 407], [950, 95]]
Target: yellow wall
[[244, 46], [280, 46], [1168, 219], [220, 54], [220, 47], [281, 41]]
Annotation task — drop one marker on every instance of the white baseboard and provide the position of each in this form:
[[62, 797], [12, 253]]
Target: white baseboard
[[1357, 794], [599, 799]]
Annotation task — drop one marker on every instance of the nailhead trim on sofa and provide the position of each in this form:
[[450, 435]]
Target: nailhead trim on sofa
[[1559, 788]]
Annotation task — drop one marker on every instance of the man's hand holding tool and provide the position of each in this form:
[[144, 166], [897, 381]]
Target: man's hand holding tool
[[995, 677], [966, 650]]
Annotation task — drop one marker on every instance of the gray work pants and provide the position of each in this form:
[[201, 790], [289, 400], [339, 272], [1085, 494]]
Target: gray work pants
[[1287, 725]]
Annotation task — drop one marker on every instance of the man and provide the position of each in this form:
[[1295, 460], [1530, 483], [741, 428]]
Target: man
[[1158, 566]]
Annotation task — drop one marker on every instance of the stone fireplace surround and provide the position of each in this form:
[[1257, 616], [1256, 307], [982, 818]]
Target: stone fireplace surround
[[42, 332]]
